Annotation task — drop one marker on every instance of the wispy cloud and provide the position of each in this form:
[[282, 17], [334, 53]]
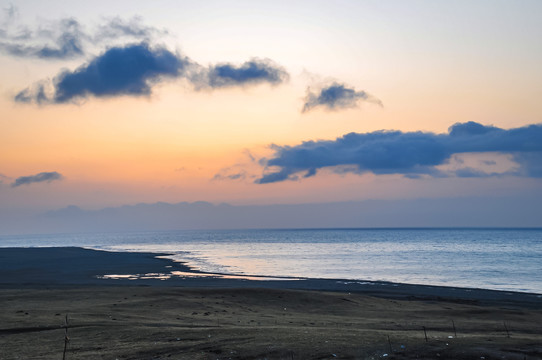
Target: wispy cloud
[[249, 155], [38, 178], [62, 39], [10, 12], [133, 28], [224, 175], [408, 153], [335, 97], [2, 178], [66, 38], [35, 93], [245, 169]]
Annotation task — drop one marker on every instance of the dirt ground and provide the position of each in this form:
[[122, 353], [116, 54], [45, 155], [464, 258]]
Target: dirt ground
[[180, 323]]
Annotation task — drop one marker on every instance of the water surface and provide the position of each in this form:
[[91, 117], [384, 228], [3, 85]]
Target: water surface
[[501, 259]]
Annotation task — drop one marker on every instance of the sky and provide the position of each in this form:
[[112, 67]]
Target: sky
[[106, 104]]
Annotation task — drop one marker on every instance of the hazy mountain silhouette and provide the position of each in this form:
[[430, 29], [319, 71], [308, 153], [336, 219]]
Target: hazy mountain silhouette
[[451, 212]]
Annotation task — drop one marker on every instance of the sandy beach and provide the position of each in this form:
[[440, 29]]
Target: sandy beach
[[206, 316]]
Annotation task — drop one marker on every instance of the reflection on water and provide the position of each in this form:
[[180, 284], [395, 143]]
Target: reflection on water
[[187, 274], [155, 276], [502, 259]]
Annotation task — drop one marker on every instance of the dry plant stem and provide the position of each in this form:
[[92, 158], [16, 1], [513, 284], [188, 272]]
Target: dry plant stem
[[425, 334], [66, 338], [506, 328]]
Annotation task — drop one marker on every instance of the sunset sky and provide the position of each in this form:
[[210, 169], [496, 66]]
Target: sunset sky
[[108, 103]]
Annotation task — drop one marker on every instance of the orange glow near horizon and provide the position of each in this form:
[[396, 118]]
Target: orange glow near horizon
[[430, 64]]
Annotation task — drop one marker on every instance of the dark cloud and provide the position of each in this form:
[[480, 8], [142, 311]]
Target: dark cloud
[[119, 71], [41, 177], [467, 172], [335, 97], [409, 153], [253, 72], [133, 69], [129, 70], [470, 128]]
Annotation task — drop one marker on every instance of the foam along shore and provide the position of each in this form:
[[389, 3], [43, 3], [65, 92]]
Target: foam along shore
[[208, 317]]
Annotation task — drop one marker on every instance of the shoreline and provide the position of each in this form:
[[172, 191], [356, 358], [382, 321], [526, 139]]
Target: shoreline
[[37, 267], [207, 317]]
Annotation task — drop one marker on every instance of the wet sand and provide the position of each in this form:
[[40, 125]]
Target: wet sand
[[210, 317]]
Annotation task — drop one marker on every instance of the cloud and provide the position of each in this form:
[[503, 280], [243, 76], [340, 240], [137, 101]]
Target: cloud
[[41, 177], [133, 69], [119, 71], [234, 172], [63, 39], [10, 14], [530, 163], [129, 70], [488, 162], [252, 72], [235, 176], [249, 154], [408, 153], [11, 11], [66, 38], [134, 28], [335, 97], [246, 168], [35, 93], [2, 178], [122, 69]]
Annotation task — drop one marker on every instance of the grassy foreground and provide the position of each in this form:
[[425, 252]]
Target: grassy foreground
[[181, 323]]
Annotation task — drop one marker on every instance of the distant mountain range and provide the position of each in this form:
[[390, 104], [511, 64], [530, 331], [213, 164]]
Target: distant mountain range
[[450, 212]]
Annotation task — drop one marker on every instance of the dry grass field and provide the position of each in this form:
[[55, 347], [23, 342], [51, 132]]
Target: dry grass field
[[181, 323]]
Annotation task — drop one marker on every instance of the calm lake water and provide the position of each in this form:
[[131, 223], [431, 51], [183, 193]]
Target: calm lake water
[[502, 259]]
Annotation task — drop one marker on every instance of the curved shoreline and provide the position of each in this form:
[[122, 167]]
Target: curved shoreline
[[209, 317], [74, 266]]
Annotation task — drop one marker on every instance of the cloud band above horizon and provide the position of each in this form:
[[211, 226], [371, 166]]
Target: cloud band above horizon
[[408, 153]]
